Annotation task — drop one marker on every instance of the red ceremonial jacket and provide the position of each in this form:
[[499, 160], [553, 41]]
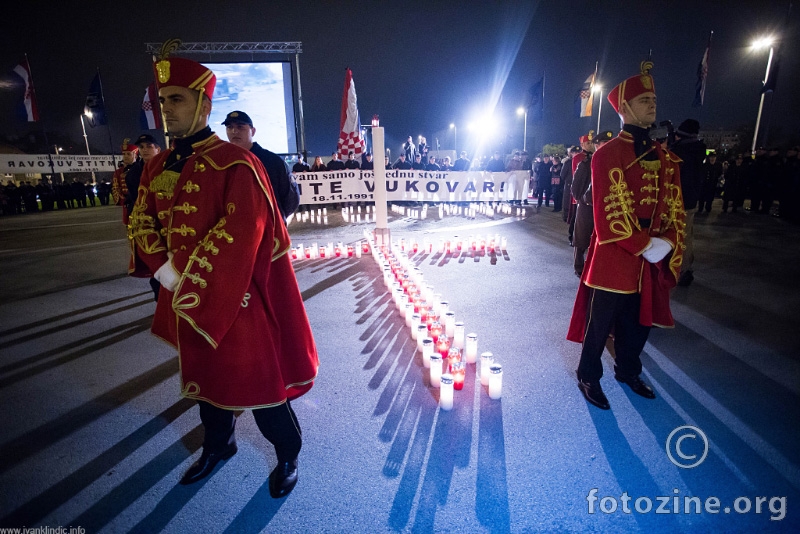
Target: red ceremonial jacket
[[625, 191], [237, 316], [119, 190]]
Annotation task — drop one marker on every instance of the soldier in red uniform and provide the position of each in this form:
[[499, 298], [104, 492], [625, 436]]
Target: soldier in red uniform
[[637, 247], [207, 225], [119, 188]]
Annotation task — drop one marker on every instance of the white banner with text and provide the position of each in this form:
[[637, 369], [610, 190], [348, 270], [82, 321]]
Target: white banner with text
[[432, 186], [47, 164]]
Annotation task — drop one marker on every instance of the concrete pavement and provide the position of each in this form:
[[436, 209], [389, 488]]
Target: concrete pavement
[[95, 434]]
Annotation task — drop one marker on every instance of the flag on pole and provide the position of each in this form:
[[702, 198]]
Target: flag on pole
[[150, 117], [535, 100], [95, 107], [31, 111], [350, 139], [702, 76], [586, 96]]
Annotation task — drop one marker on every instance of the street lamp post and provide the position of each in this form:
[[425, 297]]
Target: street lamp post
[[599, 89], [524, 112], [455, 137], [761, 43], [86, 140]]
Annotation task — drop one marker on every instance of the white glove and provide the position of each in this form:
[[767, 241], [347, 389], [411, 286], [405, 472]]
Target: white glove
[[657, 250], [167, 275]]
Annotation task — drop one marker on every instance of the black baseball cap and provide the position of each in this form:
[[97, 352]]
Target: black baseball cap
[[146, 138], [239, 117]]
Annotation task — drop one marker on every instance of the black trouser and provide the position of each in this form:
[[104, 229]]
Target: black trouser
[[278, 424], [544, 191], [617, 312]]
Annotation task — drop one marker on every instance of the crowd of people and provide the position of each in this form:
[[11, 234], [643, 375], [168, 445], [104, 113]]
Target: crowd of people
[[48, 196]]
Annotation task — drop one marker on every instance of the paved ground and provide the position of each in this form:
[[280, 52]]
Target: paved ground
[[95, 435]]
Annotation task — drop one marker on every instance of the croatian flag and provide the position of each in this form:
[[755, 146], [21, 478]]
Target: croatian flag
[[150, 117], [350, 139], [586, 96], [702, 76], [23, 70]]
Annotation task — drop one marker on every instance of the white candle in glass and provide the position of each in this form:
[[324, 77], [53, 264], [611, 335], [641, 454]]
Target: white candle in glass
[[472, 347], [446, 392], [412, 320], [450, 324], [487, 359], [422, 333], [408, 311], [402, 304], [458, 334], [495, 381], [436, 369], [443, 306], [427, 350]]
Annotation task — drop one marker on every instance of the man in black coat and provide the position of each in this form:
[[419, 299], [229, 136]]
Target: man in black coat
[[240, 130], [711, 171], [367, 164], [692, 151], [301, 165]]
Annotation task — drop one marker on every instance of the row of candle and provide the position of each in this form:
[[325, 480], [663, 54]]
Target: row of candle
[[456, 245], [488, 209], [340, 250], [422, 311]]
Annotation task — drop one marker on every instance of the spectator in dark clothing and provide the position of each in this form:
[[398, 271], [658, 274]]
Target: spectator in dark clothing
[[104, 192], [351, 162], [300, 166], [735, 180], [462, 163], [410, 150], [90, 193], [692, 152], [541, 179], [318, 166], [148, 148], [758, 177], [240, 130], [432, 165], [495, 164], [402, 162], [555, 183], [711, 172], [335, 164], [418, 165], [367, 164], [29, 197]]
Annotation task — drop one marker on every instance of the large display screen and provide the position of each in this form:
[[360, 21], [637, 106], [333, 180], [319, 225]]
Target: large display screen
[[263, 91]]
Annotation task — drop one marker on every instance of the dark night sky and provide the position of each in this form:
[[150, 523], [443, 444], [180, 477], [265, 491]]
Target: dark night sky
[[419, 65]]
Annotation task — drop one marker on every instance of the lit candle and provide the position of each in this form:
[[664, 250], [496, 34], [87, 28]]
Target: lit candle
[[443, 346], [495, 381], [450, 324], [432, 318], [435, 331], [487, 359], [436, 369], [453, 356], [422, 333], [446, 392], [472, 347], [427, 350], [458, 334], [294, 253], [459, 372]]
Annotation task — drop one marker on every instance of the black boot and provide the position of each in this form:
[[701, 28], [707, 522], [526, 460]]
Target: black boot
[[283, 479]]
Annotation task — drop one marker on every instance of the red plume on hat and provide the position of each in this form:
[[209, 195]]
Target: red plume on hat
[[633, 87], [182, 72]]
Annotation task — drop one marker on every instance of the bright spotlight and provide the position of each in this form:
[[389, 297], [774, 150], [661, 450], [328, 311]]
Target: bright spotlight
[[763, 42], [520, 111]]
